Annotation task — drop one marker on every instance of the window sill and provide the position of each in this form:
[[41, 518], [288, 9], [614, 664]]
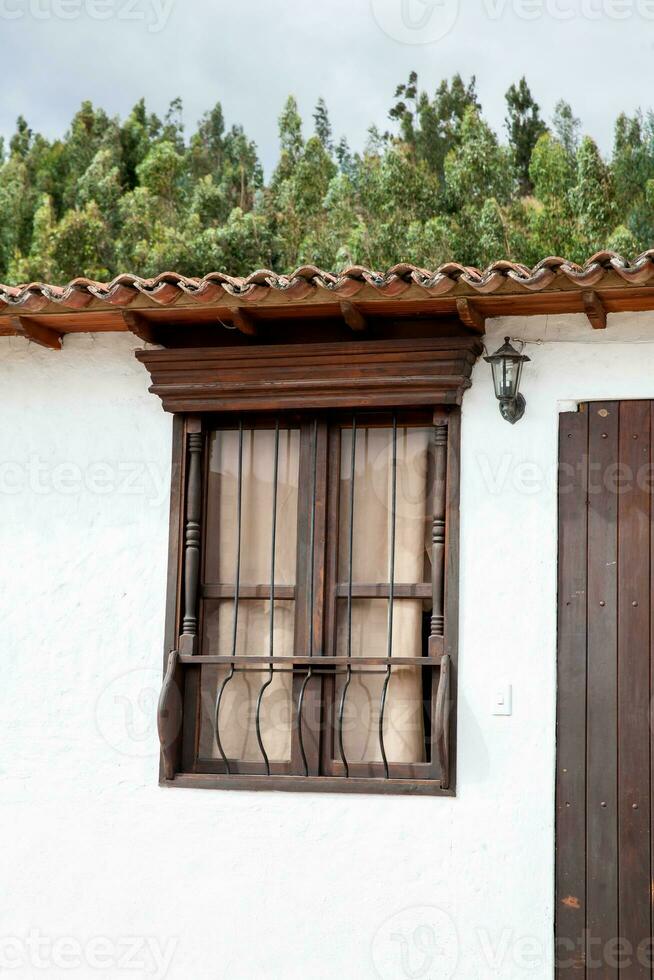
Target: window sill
[[310, 784]]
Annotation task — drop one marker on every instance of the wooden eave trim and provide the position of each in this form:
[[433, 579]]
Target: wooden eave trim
[[138, 324], [505, 302], [243, 321], [471, 316], [44, 336], [595, 310], [353, 317]]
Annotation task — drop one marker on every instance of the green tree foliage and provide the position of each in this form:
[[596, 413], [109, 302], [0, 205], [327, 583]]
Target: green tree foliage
[[323, 125], [141, 195], [592, 197], [566, 126], [524, 126], [431, 125]]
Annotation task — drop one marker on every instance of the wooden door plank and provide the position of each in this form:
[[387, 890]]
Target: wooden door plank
[[601, 712], [571, 700], [633, 686]]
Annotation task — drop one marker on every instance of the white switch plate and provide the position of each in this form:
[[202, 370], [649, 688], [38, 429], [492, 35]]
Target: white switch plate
[[503, 700]]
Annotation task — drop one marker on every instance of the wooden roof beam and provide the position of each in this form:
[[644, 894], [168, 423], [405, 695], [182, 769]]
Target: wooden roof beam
[[36, 332], [242, 320], [470, 316], [594, 309], [142, 328], [354, 318]]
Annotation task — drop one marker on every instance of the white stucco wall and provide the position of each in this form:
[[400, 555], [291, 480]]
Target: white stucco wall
[[105, 874]]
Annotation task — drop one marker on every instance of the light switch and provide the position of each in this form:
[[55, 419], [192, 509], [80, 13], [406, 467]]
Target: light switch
[[503, 700]]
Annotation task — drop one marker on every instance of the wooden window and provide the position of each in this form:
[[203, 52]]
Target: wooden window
[[312, 589], [312, 601]]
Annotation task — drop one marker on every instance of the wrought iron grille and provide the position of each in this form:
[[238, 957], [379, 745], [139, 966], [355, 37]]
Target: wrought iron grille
[[321, 677]]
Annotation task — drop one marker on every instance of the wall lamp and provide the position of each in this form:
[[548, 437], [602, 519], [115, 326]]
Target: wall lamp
[[506, 364]]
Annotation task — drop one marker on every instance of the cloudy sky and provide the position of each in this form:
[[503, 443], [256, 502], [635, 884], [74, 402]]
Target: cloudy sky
[[250, 54]]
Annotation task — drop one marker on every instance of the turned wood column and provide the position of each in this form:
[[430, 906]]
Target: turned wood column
[[438, 538], [188, 640]]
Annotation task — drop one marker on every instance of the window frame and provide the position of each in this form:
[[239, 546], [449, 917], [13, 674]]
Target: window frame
[[180, 698]]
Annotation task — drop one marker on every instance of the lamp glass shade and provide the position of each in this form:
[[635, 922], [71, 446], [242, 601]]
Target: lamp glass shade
[[506, 378], [506, 364]]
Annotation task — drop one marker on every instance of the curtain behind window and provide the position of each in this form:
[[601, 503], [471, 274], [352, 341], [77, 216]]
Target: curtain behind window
[[403, 721], [238, 707]]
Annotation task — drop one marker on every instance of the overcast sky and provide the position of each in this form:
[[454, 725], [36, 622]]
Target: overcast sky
[[250, 54]]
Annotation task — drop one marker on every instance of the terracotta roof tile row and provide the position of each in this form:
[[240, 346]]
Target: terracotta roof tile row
[[309, 282]]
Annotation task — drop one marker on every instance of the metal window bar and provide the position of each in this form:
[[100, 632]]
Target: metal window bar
[[312, 536], [325, 665], [271, 641], [230, 675], [374, 665], [391, 577], [341, 707]]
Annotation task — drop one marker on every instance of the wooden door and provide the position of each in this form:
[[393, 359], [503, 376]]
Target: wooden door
[[604, 881]]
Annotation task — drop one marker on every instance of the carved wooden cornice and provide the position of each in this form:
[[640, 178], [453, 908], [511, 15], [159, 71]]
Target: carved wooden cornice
[[423, 371]]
